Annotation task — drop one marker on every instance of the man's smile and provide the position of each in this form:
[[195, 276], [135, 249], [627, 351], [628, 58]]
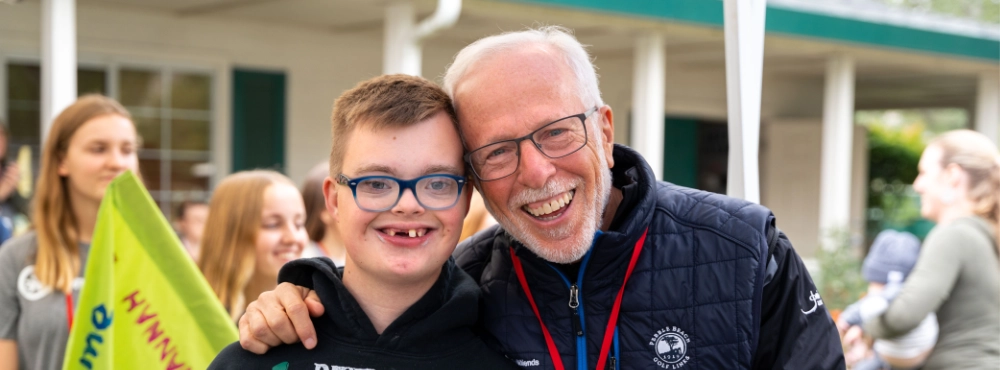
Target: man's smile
[[550, 208]]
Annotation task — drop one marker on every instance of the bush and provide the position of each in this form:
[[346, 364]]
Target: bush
[[894, 154], [840, 282]]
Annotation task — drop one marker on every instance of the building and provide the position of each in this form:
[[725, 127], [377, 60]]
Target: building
[[222, 85]]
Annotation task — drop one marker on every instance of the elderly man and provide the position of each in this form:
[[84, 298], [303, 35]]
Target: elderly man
[[595, 264]]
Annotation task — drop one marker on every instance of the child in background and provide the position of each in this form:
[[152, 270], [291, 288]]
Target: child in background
[[255, 225], [892, 256], [190, 225], [323, 234]]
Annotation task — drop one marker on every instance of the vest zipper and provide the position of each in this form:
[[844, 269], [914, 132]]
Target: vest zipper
[[612, 363], [574, 305], [578, 314], [574, 302]]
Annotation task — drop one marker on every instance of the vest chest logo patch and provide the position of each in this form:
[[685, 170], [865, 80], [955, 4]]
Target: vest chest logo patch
[[670, 345]]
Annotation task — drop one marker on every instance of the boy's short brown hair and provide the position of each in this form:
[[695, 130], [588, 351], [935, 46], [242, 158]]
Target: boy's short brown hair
[[383, 102]]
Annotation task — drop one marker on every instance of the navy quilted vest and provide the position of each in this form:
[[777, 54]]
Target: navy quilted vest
[[692, 302]]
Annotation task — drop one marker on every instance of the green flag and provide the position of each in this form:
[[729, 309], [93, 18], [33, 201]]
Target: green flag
[[144, 304]]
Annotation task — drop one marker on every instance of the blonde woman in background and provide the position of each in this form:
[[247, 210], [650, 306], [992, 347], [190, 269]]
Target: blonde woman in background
[[957, 275], [322, 228], [90, 143], [256, 224]]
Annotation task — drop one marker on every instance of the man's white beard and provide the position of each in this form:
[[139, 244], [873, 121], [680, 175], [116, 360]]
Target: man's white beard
[[577, 240]]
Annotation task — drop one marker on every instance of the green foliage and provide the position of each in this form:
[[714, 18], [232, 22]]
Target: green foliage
[[894, 155], [840, 281]]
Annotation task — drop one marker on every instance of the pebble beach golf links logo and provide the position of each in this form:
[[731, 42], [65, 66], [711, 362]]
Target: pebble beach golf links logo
[[670, 345]]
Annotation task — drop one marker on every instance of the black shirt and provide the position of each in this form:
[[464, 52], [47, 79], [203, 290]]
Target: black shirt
[[434, 333]]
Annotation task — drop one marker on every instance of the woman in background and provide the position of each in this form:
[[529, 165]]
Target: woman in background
[[41, 272], [957, 275], [255, 225]]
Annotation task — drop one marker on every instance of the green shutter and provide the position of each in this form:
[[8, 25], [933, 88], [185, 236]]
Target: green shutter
[[258, 120], [680, 151]]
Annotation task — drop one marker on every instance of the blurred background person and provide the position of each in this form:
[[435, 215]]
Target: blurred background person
[[90, 142], [190, 225], [256, 224], [957, 275], [892, 257], [11, 202], [478, 219], [324, 238]]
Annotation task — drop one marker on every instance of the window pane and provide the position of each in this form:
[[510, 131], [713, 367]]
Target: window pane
[[23, 93], [191, 91], [189, 135], [140, 88], [23, 124], [183, 177], [91, 81], [150, 169], [149, 131], [24, 82]]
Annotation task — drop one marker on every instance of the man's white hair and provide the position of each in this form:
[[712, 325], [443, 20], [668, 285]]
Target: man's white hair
[[558, 38], [560, 41]]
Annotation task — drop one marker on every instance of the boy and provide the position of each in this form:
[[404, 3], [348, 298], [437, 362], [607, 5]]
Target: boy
[[892, 256], [190, 224], [398, 191]]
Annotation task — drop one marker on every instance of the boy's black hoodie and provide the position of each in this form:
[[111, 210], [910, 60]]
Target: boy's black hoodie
[[435, 333]]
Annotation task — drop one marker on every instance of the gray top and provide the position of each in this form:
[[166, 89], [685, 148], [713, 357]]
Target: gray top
[[31, 314], [958, 277]]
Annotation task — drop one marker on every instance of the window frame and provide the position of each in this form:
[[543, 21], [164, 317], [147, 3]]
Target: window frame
[[216, 116]]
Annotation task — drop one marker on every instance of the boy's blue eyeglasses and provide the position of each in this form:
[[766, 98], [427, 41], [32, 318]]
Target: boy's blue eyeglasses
[[381, 193]]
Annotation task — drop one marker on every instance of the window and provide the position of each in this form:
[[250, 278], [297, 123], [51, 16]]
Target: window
[[172, 111]]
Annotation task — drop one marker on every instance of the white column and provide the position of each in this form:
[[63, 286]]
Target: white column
[[58, 59], [400, 53], [403, 50], [988, 106], [744, 27], [648, 94], [838, 136]]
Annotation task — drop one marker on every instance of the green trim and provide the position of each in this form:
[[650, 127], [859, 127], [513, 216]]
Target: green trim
[[796, 23], [849, 30]]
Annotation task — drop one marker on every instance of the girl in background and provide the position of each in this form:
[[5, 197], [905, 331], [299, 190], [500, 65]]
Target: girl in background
[[323, 234], [41, 272], [256, 224]]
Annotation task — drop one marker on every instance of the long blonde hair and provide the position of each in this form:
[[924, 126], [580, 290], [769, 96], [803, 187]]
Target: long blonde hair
[[58, 260], [228, 253], [980, 160]]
